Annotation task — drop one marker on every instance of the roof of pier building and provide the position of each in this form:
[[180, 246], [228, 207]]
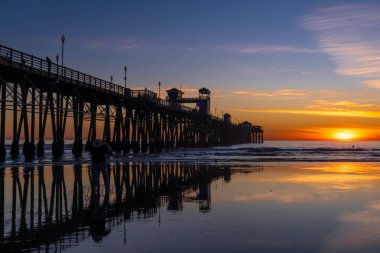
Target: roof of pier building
[[174, 91], [204, 91], [246, 124]]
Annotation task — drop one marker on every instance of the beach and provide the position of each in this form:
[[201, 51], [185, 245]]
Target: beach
[[165, 203]]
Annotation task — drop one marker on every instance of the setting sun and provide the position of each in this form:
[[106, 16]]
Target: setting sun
[[345, 135]]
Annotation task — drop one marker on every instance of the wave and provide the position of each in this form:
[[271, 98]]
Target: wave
[[267, 152], [264, 149]]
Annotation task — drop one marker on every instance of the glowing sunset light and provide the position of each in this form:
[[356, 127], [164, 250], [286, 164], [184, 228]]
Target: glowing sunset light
[[345, 135]]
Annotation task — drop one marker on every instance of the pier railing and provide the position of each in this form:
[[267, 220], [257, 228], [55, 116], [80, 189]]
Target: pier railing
[[17, 59], [152, 96], [23, 61]]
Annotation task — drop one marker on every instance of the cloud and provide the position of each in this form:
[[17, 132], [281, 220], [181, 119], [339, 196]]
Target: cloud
[[307, 73], [282, 92], [262, 49], [272, 93], [349, 34], [331, 133], [135, 44], [253, 93], [265, 71], [275, 49], [116, 44], [372, 83], [360, 114], [341, 105]]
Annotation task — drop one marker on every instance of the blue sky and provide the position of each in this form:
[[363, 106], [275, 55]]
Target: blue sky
[[180, 41], [279, 56]]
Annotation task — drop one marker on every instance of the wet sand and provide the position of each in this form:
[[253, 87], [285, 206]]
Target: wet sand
[[187, 207]]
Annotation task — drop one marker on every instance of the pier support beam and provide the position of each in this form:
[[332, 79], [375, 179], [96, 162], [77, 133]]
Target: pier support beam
[[2, 199], [14, 146], [78, 107], [92, 130], [117, 130], [126, 130], [43, 108], [2, 123]]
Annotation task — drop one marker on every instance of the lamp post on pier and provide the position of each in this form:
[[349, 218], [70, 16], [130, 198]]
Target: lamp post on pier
[[125, 76], [63, 43], [159, 89], [111, 78], [57, 58]]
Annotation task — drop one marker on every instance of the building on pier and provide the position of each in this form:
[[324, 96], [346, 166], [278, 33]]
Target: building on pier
[[227, 118], [174, 95], [203, 101]]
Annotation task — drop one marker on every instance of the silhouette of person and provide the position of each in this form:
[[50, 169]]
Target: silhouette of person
[[99, 155], [99, 152], [49, 63]]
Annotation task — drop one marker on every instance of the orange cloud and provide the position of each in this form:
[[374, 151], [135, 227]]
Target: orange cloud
[[364, 114], [282, 92], [372, 83], [338, 133]]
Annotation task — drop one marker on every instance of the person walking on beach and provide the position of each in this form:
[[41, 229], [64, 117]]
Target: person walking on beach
[[99, 156], [99, 151]]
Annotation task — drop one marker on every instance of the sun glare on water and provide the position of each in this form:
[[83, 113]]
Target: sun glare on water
[[345, 135]]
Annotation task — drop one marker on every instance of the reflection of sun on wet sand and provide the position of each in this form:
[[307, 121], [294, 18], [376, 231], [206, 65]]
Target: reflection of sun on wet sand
[[302, 182], [275, 203]]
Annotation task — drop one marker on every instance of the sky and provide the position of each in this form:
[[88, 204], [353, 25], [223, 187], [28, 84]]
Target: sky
[[304, 70]]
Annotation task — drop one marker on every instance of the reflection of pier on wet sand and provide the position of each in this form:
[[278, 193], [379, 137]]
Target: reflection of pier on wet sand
[[53, 207]]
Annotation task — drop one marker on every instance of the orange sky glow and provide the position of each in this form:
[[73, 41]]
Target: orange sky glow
[[302, 114], [286, 114]]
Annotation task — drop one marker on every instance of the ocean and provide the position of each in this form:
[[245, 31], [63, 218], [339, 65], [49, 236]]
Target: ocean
[[282, 151], [270, 151], [271, 197]]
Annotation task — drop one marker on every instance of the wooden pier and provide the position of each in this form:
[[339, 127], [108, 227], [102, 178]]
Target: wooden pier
[[37, 95]]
